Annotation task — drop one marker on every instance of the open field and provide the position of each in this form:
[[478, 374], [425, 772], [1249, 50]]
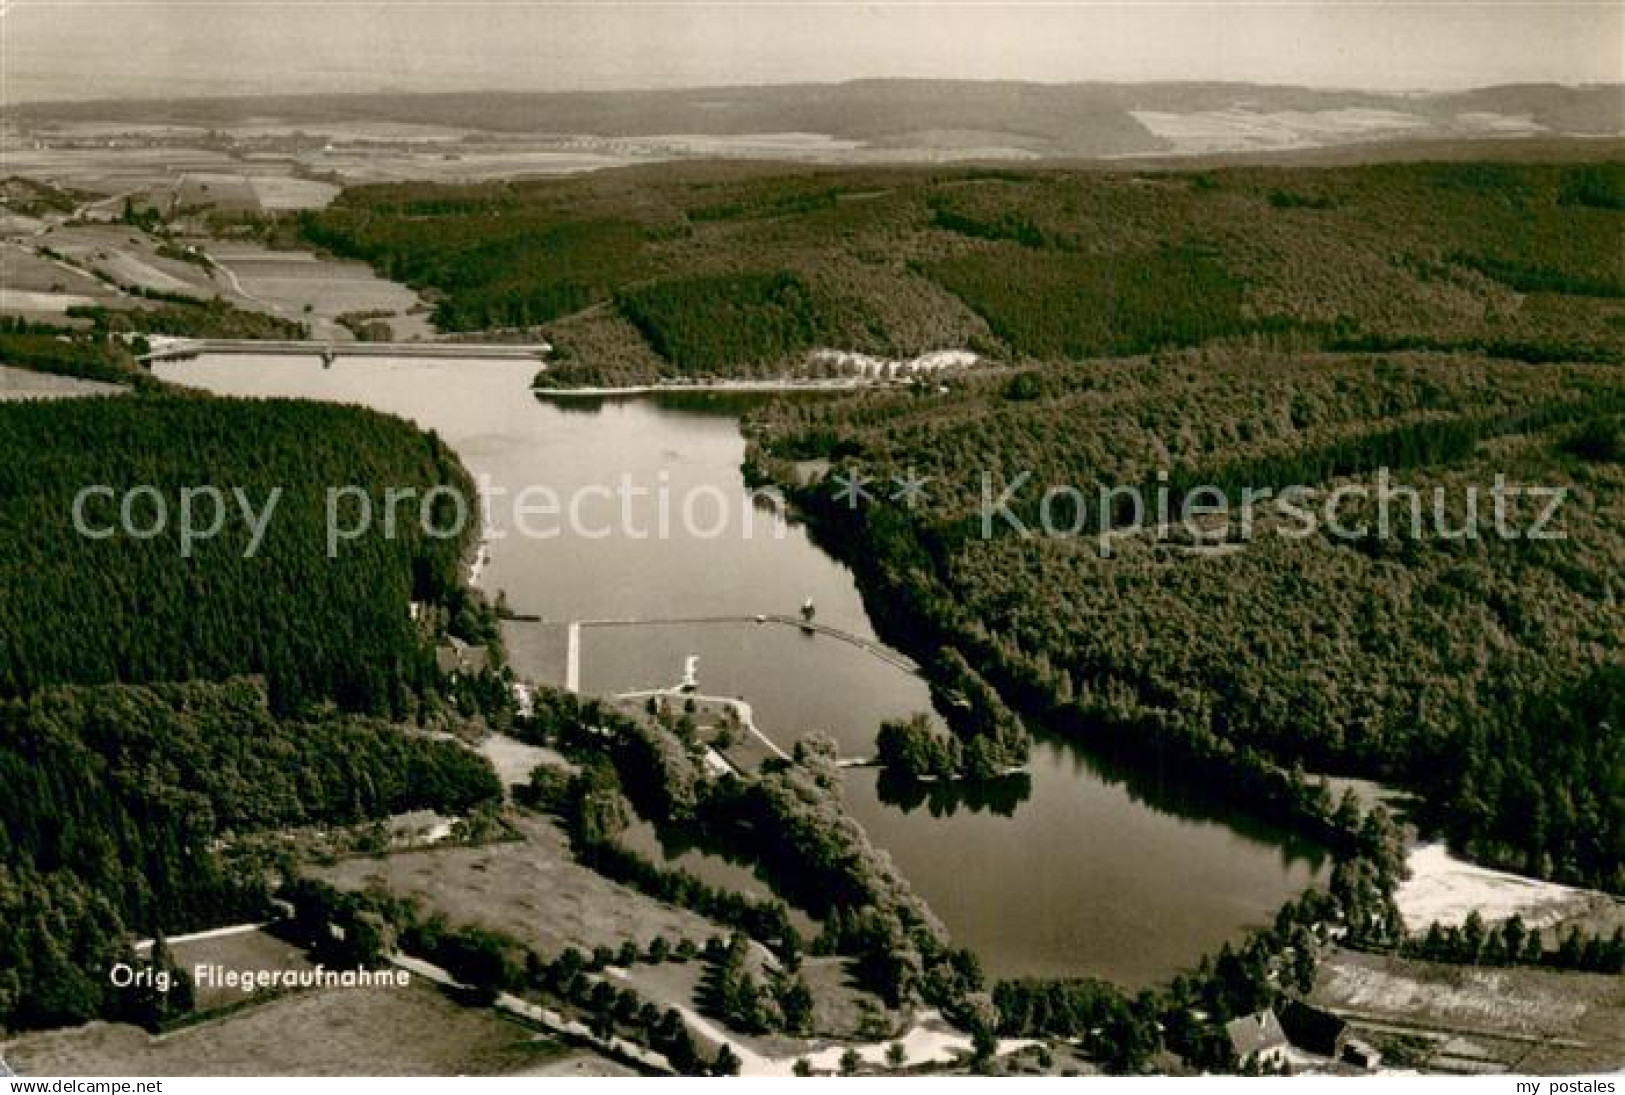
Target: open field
[[112, 257], [24, 384], [514, 760], [244, 951], [1465, 1019], [332, 1032], [301, 286], [42, 287], [905, 119], [532, 890], [49, 266]]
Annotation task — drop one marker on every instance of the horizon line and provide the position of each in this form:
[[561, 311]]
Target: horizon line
[[404, 92]]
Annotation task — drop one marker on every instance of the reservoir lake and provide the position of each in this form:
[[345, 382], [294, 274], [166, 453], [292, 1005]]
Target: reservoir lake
[[1072, 869]]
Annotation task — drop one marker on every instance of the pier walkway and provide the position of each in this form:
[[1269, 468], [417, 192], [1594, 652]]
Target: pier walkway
[[572, 664]]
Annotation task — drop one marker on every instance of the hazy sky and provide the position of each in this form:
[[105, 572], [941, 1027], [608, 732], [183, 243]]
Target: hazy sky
[[95, 48]]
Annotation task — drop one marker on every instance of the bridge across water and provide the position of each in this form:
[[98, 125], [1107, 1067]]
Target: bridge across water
[[572, 658], [166, 349]]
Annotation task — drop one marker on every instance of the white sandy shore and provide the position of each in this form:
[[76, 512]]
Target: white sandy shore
[[1445, 889]]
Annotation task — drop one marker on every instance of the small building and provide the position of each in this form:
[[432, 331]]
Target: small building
[[456, 656], [1314, 1030], [1258, 1039]]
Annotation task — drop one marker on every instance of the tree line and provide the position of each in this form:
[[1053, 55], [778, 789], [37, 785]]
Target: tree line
[[1513, 943]]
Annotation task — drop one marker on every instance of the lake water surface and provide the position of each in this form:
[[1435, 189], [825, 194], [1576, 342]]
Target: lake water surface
[[1071, 870]]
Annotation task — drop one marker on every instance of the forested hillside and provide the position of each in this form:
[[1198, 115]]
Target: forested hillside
[[119, 803], [130, 801], [1242, 327], [727, 269], [1484, 673], [122, 609]]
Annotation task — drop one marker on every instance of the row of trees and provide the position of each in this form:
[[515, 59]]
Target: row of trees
[[914, 749], [1064, 304], [1121, 1031], [596, 814], [1512, 943]]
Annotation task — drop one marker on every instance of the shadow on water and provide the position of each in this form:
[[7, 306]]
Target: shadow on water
[[576, 406], [1161, 783], [709, 404], [1001, 796], [1168, 789]]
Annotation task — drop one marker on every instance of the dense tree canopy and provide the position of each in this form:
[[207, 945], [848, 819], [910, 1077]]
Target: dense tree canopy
[[742, 269], [129, 801], [1481, 671], [77, 609]]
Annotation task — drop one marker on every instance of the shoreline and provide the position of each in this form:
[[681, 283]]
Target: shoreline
[[745, 386], [166, 348], [1444, 888]]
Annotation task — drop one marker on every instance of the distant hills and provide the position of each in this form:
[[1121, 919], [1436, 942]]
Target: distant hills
[[998, 118]]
